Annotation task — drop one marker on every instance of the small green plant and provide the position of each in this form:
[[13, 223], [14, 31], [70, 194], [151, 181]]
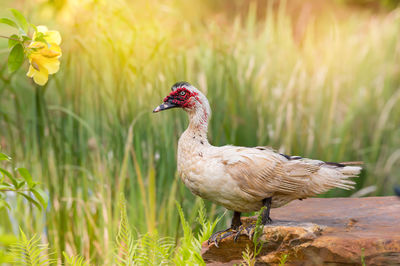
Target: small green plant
[[150, 249], [362, 257], [283, 259], [31, 251], [249, 256], [27, 188], [23, 186], [125, 245], [76, 260], [190, 245]]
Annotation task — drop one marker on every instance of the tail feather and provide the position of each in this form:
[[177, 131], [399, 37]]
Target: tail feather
[[322, 176], [352, 163], [330, 176], [350, 171], [339, 176]]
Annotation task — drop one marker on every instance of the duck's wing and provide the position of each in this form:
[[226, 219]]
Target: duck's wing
[[261, 172]]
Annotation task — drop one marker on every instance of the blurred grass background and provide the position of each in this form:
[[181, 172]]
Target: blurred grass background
[[311, 78]]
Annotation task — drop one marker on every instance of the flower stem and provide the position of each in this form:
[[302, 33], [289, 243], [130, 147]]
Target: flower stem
[[2, 36], [12, 190]]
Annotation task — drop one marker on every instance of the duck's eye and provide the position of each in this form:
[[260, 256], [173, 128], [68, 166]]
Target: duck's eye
[[182, 93]]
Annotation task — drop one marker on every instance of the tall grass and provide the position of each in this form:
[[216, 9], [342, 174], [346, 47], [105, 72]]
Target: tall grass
[[90, 133]]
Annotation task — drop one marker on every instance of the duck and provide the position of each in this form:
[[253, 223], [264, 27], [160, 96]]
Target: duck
[[245, 179]]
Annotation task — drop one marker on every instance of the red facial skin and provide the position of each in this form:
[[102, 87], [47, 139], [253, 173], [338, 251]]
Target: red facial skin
[[184, 101]]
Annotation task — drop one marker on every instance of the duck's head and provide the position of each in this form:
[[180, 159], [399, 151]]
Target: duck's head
[[186, 96]]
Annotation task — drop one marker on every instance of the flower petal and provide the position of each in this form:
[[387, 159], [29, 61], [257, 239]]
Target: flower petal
[[41, 77], [51, 65], [42, 28], [55, 47], [37, 45], [53, 36], [35, 60], [49, 53], [31, 72]]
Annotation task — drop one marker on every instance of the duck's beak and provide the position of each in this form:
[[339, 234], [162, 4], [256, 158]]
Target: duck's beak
[[165, 106]]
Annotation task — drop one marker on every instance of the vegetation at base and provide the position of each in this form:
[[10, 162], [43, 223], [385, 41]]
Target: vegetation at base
[[30, 252], [362, 257], [144, 249], [283, 259], [326, 88], [250, 255]]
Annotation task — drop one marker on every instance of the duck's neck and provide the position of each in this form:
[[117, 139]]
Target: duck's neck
[[198, 124]]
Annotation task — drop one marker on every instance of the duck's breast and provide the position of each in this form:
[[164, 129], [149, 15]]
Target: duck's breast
[[205, 175]]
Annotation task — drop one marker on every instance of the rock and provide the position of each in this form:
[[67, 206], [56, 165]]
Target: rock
[[336, 231]]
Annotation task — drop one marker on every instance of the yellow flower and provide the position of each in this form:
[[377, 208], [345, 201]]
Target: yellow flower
[[44, 57]]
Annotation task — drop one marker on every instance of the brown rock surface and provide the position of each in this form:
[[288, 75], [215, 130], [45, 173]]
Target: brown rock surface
[[336, 231]]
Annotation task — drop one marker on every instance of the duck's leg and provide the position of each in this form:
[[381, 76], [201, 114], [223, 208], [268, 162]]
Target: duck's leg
[[236, 220], [218, 236], [265, 219], [265, 215]]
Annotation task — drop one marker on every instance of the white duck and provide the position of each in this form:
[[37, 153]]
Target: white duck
[[245, 179]]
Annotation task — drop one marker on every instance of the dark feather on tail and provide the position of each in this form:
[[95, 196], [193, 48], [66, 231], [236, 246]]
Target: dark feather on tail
[[397, 191], [342, 164]]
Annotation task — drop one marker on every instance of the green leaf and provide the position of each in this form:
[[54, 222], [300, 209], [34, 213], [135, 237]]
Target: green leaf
[[26, 176], [21, 19], [14, 39], [5, 172], [41, 196], [30, 199], [4, 157], [16, 58], [20, 184], [5, 187], [9, 22], [25, 38], [40, 37], [13, 180]]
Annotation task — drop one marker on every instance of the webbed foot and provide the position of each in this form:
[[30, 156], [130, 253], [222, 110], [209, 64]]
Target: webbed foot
[[249, 229], [218, 236]]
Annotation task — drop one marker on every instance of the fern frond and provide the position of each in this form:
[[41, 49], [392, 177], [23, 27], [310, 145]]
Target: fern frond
[[152, 250], [248, 257], [77, 260], [190, 245], [125, 245], [207, 227], [259, 228], [31, 252]]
